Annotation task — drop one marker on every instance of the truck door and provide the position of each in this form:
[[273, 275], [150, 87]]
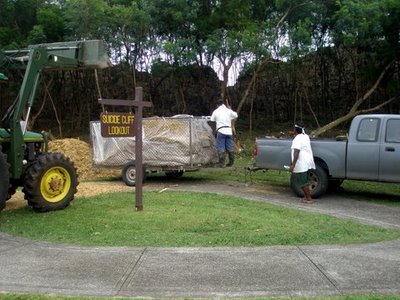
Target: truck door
[[363, 151], [390, 152]]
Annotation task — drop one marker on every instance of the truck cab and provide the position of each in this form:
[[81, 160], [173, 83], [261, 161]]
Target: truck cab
[[373, 148]]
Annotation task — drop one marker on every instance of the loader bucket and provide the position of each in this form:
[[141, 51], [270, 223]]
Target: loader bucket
[[90, 53]]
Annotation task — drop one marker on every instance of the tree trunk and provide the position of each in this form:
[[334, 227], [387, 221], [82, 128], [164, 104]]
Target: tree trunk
[[354, 110], [251, 84], [225, 75]]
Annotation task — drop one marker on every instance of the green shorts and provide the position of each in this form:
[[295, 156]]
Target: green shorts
[[302, 178]]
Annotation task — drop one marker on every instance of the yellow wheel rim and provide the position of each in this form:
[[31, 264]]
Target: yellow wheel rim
[[55, 184]]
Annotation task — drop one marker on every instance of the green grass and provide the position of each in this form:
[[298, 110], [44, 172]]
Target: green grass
[[182, 219]]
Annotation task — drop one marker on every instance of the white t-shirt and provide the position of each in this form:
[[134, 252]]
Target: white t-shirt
[[223, 117], [306, 157]]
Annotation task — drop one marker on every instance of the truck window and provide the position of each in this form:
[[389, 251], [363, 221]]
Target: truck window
[[368, 130], [393, 131]]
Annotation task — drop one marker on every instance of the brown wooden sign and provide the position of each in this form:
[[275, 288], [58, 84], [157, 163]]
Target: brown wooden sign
[[138, 103], [115, 124]]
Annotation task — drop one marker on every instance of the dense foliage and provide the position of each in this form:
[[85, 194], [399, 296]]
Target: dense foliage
[[317, 61]]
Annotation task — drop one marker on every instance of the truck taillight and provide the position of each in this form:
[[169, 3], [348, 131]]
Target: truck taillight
[[255, 151]]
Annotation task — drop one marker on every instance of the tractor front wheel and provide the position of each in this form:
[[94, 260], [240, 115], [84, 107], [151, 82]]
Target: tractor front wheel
[[4, 179], [51, 182]]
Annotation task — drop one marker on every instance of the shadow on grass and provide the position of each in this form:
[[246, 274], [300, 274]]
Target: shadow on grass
[[377, 197]]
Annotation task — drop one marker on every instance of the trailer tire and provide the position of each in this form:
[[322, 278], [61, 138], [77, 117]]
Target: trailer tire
[[4, 180], [318, 183], [50, 182], [129, 173]]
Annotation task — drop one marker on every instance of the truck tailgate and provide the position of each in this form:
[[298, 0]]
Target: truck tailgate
[[273, 153]]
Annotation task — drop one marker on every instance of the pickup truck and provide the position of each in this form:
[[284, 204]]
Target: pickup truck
[[370, 151]]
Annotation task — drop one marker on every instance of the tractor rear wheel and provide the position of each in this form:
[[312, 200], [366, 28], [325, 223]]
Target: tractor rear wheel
[[4, 179], [51, 182]]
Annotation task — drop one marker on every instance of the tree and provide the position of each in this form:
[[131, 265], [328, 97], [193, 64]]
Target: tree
[[127, 32], [230, 30], [284, 31], [49, 17], [85, 19], [357, 40], [361, 28], [355, 109], [173, 30], [17, 19]]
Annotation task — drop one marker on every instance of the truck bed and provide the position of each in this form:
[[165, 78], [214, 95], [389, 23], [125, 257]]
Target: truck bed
[[275, 153]]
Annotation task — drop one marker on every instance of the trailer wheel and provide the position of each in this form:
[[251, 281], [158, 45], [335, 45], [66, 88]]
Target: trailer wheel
[[50, 183], [129, 174], [318, 183], [4, 180]]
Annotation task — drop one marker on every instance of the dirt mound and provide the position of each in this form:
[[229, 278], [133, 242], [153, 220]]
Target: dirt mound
[[80, 153]]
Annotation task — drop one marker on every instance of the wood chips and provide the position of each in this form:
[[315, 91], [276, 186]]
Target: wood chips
[[80, 153]]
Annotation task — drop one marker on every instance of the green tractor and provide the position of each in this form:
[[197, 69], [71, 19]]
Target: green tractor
[[49, 180]]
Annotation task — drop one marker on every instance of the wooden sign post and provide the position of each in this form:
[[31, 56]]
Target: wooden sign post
[[138, 104]]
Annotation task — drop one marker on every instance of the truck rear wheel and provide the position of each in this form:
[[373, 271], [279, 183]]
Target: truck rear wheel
[[51, 182], [129, 174], [4, 179], [318, 183]]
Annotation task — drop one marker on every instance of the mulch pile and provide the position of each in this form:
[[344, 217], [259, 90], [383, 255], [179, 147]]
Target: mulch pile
[[80, 153]]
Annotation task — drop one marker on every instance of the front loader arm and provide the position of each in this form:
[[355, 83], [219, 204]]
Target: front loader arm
[[55, 56], [38, 59]]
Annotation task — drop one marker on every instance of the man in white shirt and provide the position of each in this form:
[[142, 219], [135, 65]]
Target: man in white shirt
[[302, 160], [223, 116]]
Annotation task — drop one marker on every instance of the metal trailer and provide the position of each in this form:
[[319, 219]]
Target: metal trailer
[[172, 145]]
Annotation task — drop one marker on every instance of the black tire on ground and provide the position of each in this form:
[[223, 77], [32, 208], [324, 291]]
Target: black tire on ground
[[129, 173], [174, 174], [318, 183], [50, 182], [4, 179]]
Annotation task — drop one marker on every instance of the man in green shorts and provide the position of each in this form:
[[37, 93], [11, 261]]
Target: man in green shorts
[[302, 160]]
